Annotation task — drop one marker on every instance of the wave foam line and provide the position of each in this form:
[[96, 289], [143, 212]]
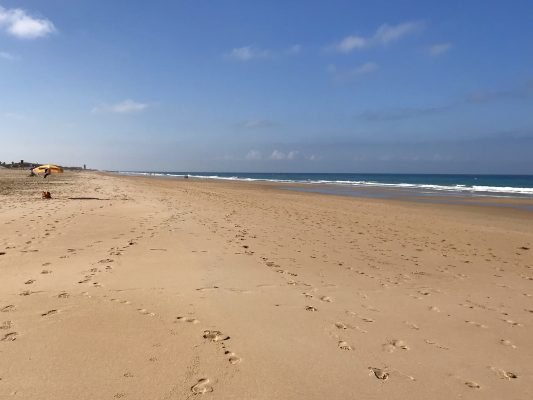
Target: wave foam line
[[450, 188]]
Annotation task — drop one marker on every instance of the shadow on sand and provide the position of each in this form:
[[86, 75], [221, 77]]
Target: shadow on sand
[[86, 198]]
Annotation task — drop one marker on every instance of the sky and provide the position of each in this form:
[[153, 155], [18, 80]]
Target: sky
[[269, 86]]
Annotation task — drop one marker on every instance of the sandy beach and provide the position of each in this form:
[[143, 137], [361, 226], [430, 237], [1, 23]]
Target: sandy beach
[[143, 288]]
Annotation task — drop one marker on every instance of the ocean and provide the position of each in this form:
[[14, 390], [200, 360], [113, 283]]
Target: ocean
[[520, 186]]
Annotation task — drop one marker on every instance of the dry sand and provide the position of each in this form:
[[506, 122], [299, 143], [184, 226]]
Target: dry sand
[[174, 289]]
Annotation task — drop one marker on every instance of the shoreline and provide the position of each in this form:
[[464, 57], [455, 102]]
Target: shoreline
[[374, 193], [422, 188]]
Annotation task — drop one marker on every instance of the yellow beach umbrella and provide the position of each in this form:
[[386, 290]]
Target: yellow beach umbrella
[[52, 169]]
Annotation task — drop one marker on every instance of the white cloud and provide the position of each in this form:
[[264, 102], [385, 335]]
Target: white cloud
[[123, 107], [384, 35], [292, 155], [16, 22], [387, 33], [440, 48], [279, 155], [253, 155], [250, 52], [347, 74], [350, 43], [247, 53], [7, 56], [295, 49]]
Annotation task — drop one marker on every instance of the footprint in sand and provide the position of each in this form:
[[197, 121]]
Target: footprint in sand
[[503, 374], [25, 293], [473, 385], [506, 342], [474, 323], [6, 325], [394, 345], [232, 357], [144, 311], [512, 323], [29, 281], [46, 271], [326, 299], [63, 295], [203, 289], [51, 312], [202, 386], [411, 325], [311, 308], [343, 345], [215, 336], [9, 337], [8, 308], [188, 319], [433, 342], [341, 325], [379, 373]]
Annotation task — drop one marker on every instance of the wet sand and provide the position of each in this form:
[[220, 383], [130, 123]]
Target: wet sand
[[517, 201], [145, 288]]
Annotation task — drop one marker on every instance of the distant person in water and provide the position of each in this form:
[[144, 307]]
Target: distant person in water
[[46, 173]]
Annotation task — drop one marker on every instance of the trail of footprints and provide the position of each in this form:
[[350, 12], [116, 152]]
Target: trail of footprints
[[204, 385], [11, 335], [140, 310], [215, 336]]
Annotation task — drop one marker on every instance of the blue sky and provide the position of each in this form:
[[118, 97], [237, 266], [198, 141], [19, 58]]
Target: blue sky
[[293, 86]]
